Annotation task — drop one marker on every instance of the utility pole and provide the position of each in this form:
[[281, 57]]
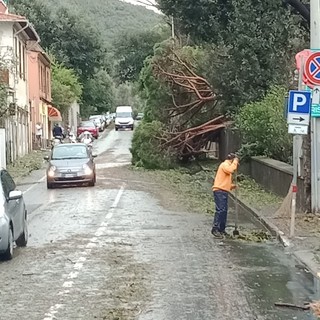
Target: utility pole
[[315, 122]]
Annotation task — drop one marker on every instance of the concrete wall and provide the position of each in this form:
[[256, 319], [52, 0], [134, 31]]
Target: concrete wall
[[274, 176]]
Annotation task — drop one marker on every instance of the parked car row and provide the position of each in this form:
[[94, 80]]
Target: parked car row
[[95, 124]]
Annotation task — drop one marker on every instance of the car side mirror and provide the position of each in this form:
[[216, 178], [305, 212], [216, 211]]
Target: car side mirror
[[46, 158], [15, 195], [94, 155]]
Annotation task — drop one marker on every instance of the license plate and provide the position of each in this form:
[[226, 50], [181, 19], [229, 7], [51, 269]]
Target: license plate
[[69, 175]]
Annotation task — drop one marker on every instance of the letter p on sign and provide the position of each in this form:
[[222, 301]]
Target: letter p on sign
[[299, 100]]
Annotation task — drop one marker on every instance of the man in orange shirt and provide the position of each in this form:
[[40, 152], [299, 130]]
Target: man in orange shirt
[[221, 187]]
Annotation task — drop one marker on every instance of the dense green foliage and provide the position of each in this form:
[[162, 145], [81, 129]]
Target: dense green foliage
[[242, 48], [146, 150], [99, 92], [127, 95], [71, 38], [111, 17], [72, 32], [263, 127], [65, 87], [252, 43], [131, 49]]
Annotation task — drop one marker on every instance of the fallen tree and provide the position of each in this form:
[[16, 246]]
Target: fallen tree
[[192, 95]]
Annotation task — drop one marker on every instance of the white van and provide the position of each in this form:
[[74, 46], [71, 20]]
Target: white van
[[124, 118]]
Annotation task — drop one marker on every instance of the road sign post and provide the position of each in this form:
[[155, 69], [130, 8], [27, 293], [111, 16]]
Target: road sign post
[[315, 121], [299, 104]]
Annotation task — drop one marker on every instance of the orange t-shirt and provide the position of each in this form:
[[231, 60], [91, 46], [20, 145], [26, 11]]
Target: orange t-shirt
[[223, 179]]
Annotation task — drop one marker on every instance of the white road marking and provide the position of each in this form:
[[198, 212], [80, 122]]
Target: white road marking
[[73, 275], [51, 315], [78, 266], [100, 231], [117, 199], [30, 188], [67, 284], [53, 310]]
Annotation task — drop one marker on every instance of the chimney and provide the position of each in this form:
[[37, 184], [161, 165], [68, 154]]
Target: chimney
[[3, 7]]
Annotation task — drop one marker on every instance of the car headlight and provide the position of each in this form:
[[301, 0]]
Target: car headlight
[[87, 170], [51, 171]]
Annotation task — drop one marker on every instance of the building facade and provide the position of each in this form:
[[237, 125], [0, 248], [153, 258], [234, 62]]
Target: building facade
[[15, 32], [41, 109]]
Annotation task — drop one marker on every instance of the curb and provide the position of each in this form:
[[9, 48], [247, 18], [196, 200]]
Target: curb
[[304, 257], [274, 230]]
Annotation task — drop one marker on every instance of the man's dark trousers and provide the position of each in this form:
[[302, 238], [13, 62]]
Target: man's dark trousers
[[220, 217]]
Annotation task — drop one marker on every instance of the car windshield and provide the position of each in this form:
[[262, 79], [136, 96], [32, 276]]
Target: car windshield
[[69, 152], [124, 115]]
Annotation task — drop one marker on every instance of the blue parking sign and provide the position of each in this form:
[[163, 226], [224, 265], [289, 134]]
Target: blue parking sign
[[299, 102]]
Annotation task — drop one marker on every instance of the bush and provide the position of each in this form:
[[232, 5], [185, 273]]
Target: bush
[[146, 150], [263, 127]]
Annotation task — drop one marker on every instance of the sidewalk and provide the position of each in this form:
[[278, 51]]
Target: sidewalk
[[21, 169], [305, 245]]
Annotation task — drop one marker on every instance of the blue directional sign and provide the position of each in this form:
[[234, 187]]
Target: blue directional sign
[[299, 107]]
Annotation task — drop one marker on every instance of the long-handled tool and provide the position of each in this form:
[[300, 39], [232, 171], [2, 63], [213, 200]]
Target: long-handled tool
[[236, 231]]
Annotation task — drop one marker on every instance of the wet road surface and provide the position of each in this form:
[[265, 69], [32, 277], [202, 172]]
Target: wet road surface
[[119, 251]]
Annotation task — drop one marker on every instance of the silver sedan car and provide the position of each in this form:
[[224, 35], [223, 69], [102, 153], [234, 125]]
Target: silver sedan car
[[71, 163], [13, 217]]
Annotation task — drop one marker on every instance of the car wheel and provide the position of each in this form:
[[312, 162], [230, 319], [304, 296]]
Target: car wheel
[[131, 128], [49, 185], [23, 239], [116, 128], [8, 255]]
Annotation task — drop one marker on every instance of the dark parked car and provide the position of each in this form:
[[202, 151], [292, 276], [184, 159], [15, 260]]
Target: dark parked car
[[88, 126], [13, 216], [70, 163]]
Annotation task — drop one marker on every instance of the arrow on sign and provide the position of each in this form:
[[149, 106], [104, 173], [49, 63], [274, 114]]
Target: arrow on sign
[[316, 95], [299, 119]]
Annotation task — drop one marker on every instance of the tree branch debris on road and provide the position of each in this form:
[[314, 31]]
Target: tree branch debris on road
[[26, 164]]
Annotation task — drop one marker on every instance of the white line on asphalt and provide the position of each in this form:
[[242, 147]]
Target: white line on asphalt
[[68, 284], [73, 275], [78, 266], [42, 179], [117, 199], [53, 310], [51, 315], [100, 231]]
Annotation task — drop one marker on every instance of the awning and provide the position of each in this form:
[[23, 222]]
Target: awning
[[54, 114]]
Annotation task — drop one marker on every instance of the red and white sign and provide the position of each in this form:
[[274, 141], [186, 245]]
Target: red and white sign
[[312, 69]]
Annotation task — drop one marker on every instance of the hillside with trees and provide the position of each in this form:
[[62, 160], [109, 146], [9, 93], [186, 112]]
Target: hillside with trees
[[112, 17], [81, 39]]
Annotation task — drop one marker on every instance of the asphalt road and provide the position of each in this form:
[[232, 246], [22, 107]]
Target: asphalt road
[[122, 250]]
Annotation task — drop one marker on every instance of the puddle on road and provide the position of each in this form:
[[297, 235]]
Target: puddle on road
[[272, 275]]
